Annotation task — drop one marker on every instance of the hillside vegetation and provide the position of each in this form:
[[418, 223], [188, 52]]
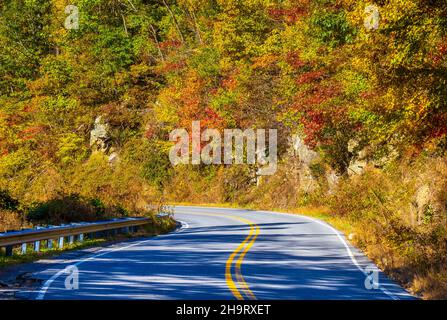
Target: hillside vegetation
[[85, 114]]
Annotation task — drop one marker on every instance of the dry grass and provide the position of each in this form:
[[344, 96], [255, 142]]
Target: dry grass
[[10, 220], [399, 217]]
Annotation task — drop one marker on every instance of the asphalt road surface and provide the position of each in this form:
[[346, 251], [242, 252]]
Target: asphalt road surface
[[225, 254]]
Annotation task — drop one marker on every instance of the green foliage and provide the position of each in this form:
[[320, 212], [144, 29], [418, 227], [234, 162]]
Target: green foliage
[[114, 48], [25, 40], [206, 63], [149, 67], [71, 148], [332, 28], [157, 167]]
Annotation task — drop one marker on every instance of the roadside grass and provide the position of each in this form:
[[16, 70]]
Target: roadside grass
[[31, 255]]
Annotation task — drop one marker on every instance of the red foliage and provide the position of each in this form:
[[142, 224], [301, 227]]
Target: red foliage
[[317, 95], [13, 120], [31, 132], [313, 122], [168, 44], [438, 127], [439, 55], [310, 76], [293, 59], [367, 95], [229, 83], [28, 108], [212, 119], [173, 66], [149, 134], [320, 122], [290, 15]]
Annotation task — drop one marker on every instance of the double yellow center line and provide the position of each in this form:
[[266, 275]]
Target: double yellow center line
[[241, 251], [237, 285]]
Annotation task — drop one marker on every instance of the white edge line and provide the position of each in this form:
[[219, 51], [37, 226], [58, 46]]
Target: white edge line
[[43, 290], [183, 227], [342, 240]]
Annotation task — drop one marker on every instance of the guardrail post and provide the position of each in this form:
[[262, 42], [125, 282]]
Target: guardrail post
[[50, 244], [81, 237], [23, 248], [61, 242], [37, 246], [8, 251], [70, 239]]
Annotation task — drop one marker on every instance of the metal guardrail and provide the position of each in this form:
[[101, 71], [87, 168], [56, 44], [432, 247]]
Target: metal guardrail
[[50, 233]]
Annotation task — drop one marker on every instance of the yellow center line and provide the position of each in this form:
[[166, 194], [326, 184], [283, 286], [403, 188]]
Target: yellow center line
[[228, 275], [239, 275], [254, 229]]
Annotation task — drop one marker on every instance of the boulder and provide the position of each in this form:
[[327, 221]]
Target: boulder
[[99, 136], [302, 151], [422, 201], [113, 158], [306, 157]]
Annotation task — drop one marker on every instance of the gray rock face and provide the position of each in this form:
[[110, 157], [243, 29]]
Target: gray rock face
[[306, 156], [422, 201], [332, 180], [113, 158], [357, 167], [99, 137], [302, 151], [358, 163]]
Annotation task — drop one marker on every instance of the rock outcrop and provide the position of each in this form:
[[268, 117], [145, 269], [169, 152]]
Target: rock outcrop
[[306, 157], [99, 136]]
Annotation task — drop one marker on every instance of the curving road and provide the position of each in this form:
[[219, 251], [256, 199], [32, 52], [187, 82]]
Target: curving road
[[226, 254]]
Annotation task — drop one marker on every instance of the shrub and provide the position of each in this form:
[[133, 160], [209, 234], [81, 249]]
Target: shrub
[[10, 220], [66, 209]]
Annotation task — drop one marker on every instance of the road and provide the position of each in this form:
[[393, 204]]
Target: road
[[225, 254]]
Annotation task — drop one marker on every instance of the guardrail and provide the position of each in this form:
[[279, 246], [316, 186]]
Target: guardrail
[[51, 233]]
